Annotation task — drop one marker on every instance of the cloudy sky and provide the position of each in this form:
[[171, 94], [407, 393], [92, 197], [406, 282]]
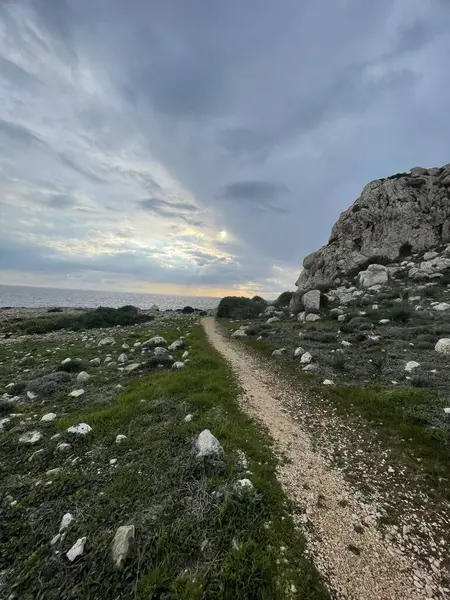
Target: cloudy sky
[[205, 147]]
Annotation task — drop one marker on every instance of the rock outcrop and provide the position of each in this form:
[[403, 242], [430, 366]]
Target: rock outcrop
[[394, 217]]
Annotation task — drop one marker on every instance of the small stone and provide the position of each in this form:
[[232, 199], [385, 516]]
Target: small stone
[[122, 358], [95, 362], [244, 484], [77, 549], [188, 418], [31, 395], [132, 367], [178, 365], [391, 470], [55, 539], [107, 341], [441, 306], [76, 393], [279, 352], [327, 382], [411, 365], [298, 352], [31, 437], [63, 447], [207, 444], [443, 346], [120, 438], [47, 418], [80, 429], [66, 521], [66, 361], [122, 544], [112, 461], [306, 358], [384, 321], [345, 343], [83, 377], [185, 354]]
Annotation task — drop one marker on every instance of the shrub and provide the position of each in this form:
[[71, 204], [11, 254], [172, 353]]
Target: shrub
[[356, 324], [235, 307], [401, 313], [339, 361], [55, 310], [379, 362], [431, 292], [283, 299], [324, 337]]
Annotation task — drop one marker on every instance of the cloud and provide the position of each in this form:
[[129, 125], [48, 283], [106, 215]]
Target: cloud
[[131, 138]]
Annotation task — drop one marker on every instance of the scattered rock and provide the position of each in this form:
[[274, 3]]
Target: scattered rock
[[66, 521], [271, 320], [443, 346], [306, 358], [30, 437], [188, 418], [411, 365], [77, 549], [120, 438], [157, 340], [311, 318], [239, 333], [176, 345], [122, 358], [311, 368], [244, 484], [95, 362], [280, 352], [107, 341], [311, 301], [178, 365], [375, 275], [63, 447], [185, 355], [441, 306], [298, 352], [207, 445], [76, 393], [83, 377], [327, 382], [47, 418], [132, 367], [122, 544], [80, 429], [160, 351]]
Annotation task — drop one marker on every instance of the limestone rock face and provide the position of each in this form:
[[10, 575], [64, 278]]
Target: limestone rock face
[[393, 217]]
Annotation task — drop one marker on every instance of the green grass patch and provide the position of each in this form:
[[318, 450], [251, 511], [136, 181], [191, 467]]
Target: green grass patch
[[197, 538]]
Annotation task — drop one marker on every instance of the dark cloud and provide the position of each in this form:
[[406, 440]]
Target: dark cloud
[[260, 194], [150, 118]]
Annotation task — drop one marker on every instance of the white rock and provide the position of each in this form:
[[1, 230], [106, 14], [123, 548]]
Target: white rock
[[443, 346], [411, 365], [77, 549], [238, 333], [345, 343], [298, 352], [157, 340], [188, 418], [108, 359], [66, 521], [122, 544], [391, 470], [176, 345], [76, 393], [441, 306], [120, 438], [342, 318], [375, 307], [279, 352], [327, 382], [55, 539], [384, 321], [122, 358], [160, 351], [178, 365], [207, 444], [430, 255], [447, 410], [4, 422], [80, 429], [31, 437], [311, 318], [63, 447], [83, 377], [306, 358], [185, 355], [107, 341], [271, 320], [311, 368], [95, 362], [31, 395], [374, 275], [302, 317], [112, 365], [112, 461], [125, 346], [242, 484], [311, 300], [66, 361], [47, 418], [56, 436], [132, 367]]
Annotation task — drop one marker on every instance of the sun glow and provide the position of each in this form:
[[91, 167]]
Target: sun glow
[[223, 234]]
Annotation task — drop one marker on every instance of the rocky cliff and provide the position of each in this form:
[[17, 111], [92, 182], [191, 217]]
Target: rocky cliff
[[394, 217]]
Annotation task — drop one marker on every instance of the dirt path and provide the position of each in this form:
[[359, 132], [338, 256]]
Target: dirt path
[[358, 563]]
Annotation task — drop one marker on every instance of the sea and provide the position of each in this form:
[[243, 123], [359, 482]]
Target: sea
[[39, 297]]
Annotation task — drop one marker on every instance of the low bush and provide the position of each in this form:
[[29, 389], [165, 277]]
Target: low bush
[[323, 337], [401, 313], [239, 307]]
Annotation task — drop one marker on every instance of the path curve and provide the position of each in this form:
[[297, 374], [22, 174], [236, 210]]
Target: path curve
[[380, 571]]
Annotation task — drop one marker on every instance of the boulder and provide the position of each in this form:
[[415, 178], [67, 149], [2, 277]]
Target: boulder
[[311, 301], [392, 219], [83, 377], [207, 445], [270, 310], [296, 303], [239, 333], [443, 346], [160, 351], [157, 340], [30, 437], [374, 275], [312, 317], [122, 545]]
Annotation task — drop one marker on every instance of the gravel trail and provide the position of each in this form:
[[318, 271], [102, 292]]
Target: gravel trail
[[358, 564]]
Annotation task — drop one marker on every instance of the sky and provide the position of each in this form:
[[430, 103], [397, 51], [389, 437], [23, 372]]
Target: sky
[[205, 147]]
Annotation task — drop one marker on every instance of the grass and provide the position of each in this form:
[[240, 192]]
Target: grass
[[197, 538]]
